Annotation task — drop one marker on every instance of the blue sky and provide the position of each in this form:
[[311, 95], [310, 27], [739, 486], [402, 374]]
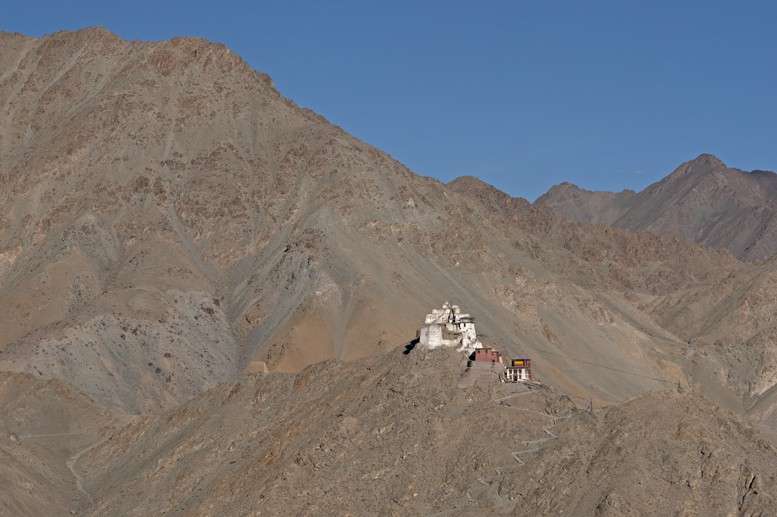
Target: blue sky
[[523, 94]]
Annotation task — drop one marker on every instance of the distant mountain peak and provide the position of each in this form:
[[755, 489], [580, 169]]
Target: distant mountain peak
[[560, 191], [565, 185], [708, 158], [705, 161], [702, 199]]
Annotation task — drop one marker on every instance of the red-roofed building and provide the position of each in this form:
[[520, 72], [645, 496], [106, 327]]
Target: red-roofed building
[[487, 355]]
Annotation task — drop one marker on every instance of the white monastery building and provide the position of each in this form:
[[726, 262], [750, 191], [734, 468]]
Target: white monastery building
[[449, 327]]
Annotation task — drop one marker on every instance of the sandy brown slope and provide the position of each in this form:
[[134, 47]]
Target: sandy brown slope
[[44, 428], [719, 327], [702, 200], [163, 205], [169, 217], [731, 332], [394, 435]]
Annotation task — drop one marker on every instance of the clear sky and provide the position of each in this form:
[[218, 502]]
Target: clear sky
[[523, 94]]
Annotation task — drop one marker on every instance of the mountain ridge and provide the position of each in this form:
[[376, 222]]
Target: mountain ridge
[[169, 219], [199, 221], [702, 200]]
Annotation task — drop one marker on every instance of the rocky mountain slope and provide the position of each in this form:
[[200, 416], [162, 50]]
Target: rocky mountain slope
[[702, 200], [394, 435], [169, 217], [43, 427], [170, 221]]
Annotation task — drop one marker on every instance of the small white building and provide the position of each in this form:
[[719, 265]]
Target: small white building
[[519, 371], [449, 327]]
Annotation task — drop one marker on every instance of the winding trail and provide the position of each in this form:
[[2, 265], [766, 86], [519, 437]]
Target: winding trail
[[534, 445], [71, 465], [492, 486], [71, 462]]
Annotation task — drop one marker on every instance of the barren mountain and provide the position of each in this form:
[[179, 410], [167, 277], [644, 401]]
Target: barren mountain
[[394, 435], [703, 200], [170, 221], [170, 217]]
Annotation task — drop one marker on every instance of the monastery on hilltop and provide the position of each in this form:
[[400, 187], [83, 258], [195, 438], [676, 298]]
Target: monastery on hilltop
[[449, 327]]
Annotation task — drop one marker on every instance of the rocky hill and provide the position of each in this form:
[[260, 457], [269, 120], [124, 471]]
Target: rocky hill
[[170, 221], [702, 200], [394, 435]]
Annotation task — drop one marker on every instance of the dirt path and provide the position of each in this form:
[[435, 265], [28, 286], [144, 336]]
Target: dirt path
[[71, 465], [73, 460], [50, 435], [534, 445]]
